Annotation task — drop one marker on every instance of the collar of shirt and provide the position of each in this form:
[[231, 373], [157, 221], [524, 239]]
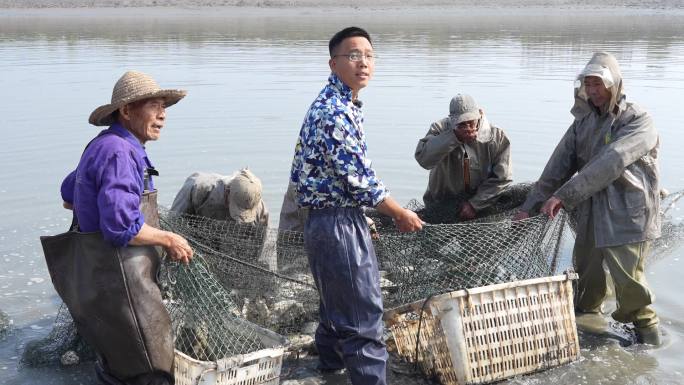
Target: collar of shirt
[[128, 136], [344, 90], [122, 132]]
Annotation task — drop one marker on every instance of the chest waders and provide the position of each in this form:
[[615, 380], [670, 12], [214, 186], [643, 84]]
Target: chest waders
[[113, 297]]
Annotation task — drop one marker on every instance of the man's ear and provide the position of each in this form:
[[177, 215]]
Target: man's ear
[[332, 64], [125, 112]]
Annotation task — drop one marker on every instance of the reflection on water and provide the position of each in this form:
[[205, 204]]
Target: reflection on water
[[250, 78]]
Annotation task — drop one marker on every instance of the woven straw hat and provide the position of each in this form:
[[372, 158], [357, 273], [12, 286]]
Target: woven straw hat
[[131, 87]]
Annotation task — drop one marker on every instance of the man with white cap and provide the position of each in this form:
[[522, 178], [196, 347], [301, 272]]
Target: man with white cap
[[468, 158], [236, 197], [105, 270], [605, 168]]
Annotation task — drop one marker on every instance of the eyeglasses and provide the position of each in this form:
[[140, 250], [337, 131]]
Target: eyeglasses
[[358, 56]]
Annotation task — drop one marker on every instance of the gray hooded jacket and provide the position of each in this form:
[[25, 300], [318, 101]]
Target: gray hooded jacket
[[605, 165], [489, 157]]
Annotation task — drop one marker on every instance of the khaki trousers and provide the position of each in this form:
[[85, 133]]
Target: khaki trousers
[[626, 267]]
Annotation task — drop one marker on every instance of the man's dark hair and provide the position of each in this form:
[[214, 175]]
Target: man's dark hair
[[346, 33]]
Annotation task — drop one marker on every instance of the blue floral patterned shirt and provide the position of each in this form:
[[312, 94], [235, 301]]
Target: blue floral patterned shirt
[[330, 167]]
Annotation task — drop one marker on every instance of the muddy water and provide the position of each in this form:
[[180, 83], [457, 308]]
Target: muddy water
[[251, 75]]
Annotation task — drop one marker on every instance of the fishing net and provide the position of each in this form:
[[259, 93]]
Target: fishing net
[[207, 323], [672, 227], [447, 212], [248, 282], [455, 256], [264, 273], [62, 342], [5, 325]]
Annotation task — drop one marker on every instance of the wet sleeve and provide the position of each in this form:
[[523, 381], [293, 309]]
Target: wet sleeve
[[500, 176], [67, 188], [561, 166], [347, 152], [119, 184], [439, 141], [631, 141]]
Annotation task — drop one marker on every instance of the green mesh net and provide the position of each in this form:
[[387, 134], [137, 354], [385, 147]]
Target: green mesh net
[[207, 324], [57, 347], [249, 284], [672, 228], [465, 255], [263, 273]]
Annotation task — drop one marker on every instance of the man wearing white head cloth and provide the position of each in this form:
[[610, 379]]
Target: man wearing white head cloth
[[467, 157], [234, 198], [605, 167]]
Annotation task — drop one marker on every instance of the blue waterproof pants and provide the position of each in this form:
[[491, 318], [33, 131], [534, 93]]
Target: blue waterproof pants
[[345, 269]]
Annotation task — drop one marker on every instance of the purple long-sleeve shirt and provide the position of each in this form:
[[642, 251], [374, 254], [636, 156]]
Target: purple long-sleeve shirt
[[106, 187]]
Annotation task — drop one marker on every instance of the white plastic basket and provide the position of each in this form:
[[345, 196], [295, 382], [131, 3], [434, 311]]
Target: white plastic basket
[[261, 367], [491, 333]]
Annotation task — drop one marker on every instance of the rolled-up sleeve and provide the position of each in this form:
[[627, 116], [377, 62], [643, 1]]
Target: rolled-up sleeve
[[67, 188], [118, 199], [348, 157]]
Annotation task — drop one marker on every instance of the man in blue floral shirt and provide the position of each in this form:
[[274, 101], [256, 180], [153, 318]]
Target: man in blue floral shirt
[[333, 178]]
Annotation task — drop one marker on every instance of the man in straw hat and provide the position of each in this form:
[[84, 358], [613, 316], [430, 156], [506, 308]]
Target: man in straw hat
[[468, 158], [234, 198], [333, 178], [106, 270], [605, 168]]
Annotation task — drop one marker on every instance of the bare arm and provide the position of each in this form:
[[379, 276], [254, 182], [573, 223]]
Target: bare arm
[[405, 220], [175, 245]]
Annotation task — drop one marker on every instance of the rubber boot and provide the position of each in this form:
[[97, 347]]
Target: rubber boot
[[648, 335]]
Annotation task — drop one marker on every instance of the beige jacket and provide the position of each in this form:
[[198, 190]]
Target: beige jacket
[[489, 157], [206, 194], [605, 166]]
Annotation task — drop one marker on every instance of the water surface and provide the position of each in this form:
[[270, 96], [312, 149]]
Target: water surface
[[251, 76]]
